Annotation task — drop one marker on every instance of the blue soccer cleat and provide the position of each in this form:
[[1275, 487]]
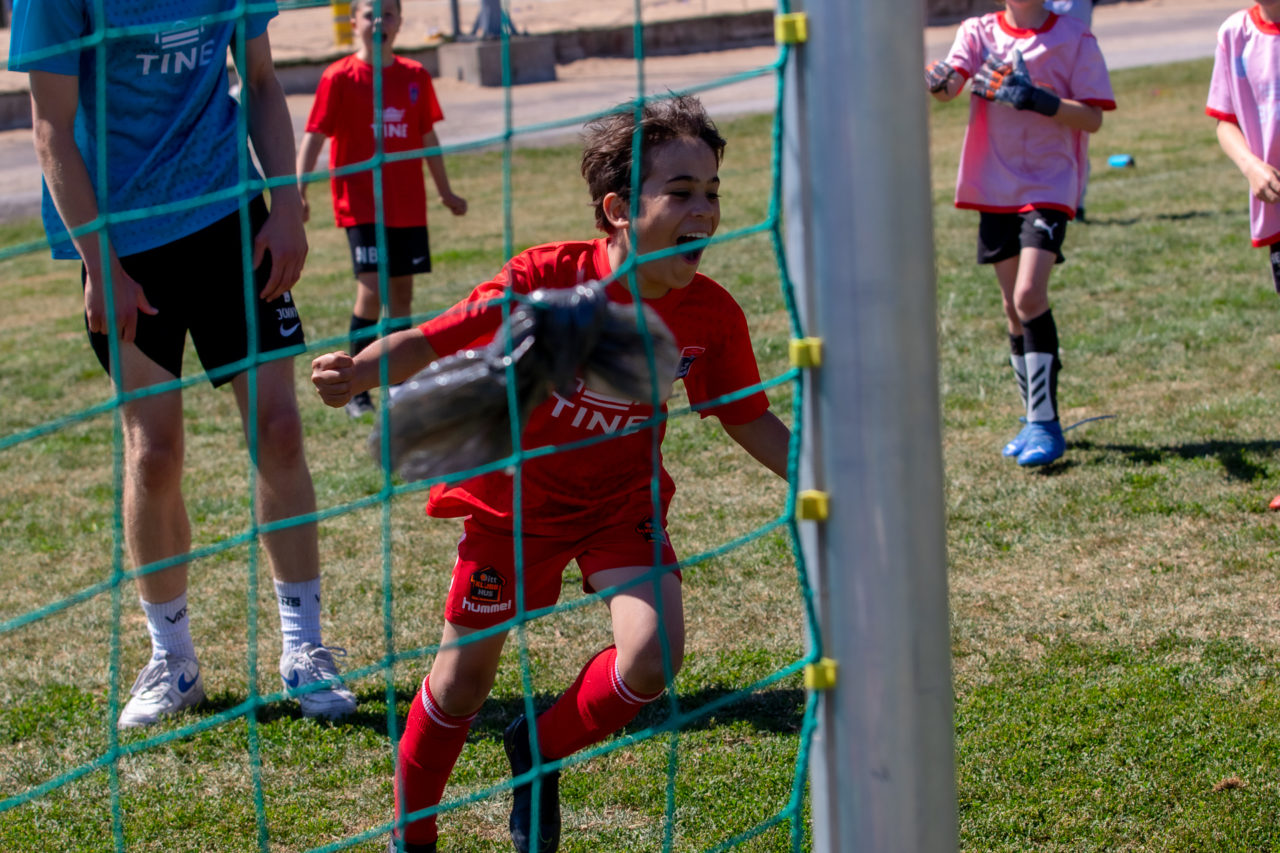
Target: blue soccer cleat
[[1044, 444], [1019, 441]]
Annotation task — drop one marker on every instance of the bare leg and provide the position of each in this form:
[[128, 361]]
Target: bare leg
[[637, 630], [462, 674], [284, 481], [399, 296], [156, 525]]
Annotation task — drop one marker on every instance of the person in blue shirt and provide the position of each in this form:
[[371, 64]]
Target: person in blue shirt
[[157, 225]]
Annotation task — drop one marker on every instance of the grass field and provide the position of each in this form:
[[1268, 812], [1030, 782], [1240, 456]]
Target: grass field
[[1114, 622]]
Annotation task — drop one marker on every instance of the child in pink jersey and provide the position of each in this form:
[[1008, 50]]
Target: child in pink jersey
[[1244, 96], [1040, 87], [591, 504]]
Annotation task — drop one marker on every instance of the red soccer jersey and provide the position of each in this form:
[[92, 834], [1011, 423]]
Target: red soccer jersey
[[343, 111], [563, 489]]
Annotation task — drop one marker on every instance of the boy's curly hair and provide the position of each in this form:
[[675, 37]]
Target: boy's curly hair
[[607, 144]]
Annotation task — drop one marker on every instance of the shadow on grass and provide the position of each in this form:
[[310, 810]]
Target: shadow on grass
[[1231, 455], [779, 710], [1159, 217]]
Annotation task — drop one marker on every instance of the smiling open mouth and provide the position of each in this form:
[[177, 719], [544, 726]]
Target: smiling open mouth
[[693, 255]]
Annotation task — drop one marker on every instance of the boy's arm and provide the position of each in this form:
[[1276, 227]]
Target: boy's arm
[[338, 377], [54, 100], [1263, 178], [435, 165], [1078, 115], [308, 153], [271, 130], [766, 438]]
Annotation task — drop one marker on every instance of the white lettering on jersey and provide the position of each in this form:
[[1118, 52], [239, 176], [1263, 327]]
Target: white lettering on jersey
[[467, 604], [595, 412], [180, 50], [393, 124]]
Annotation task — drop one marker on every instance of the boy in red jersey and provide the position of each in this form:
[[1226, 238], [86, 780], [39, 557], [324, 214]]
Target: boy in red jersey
[[342, 111], [591, 504]]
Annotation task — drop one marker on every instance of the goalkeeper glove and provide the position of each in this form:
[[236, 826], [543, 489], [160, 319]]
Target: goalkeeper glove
[[937, 75], [455, 414], [1010, 83]]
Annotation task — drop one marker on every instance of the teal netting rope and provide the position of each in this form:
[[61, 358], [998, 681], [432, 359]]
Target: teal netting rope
[[678, 716]]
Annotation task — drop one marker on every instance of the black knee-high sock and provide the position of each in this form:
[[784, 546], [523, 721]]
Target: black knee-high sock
[[1018, 360], [359, 341], [1040, 338]]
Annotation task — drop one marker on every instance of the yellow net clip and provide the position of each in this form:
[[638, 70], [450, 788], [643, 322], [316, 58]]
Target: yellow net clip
[[811, 505], [821, 675], [806, 352], [791, 28]]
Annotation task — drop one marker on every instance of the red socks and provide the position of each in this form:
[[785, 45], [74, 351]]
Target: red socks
[[432, 742], [596, 706]]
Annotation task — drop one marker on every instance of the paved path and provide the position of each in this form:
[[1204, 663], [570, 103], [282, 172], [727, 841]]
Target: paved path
[[1131, 34]]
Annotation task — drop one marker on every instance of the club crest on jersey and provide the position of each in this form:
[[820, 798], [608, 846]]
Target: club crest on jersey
[[650, 532], [687, 355], [413, 93]]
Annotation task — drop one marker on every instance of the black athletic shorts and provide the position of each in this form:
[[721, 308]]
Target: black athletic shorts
[[1004, 235], [197, 284], [1275, 265], [407, 248]]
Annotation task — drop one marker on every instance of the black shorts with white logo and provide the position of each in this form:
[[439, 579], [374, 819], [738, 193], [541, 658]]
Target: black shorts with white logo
[[408, 251], [197, 285], [1004, 235]]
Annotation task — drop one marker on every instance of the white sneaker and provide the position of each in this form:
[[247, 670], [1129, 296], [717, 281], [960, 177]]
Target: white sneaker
[[308, 664], [165, 686]]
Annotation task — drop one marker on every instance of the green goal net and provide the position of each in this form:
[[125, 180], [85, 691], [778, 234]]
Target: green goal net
[[719, 762]]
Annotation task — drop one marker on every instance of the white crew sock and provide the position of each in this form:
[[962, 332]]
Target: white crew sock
[[299, 612], [169, 628]]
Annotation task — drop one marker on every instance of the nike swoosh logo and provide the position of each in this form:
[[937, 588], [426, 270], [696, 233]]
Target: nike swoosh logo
[[286, 331], [293, 679], [183, 684], [417, 261]]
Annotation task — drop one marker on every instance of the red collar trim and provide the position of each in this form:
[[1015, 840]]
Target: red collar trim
[[1262, 23], [1023, 32]]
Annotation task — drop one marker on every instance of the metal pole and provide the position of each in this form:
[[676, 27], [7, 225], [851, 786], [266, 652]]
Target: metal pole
[[860, 243], [453, 15], [489, 23]]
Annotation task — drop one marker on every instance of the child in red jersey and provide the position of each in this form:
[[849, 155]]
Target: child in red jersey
[[591, 504], [343, 111]]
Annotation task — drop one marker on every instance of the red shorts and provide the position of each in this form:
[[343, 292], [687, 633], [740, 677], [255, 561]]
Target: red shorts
[[483, 590]]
